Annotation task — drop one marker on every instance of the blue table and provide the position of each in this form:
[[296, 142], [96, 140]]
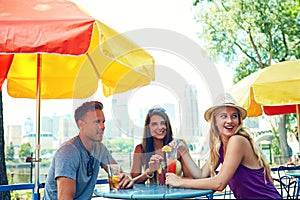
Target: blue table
[[153, 191], [296, 174]]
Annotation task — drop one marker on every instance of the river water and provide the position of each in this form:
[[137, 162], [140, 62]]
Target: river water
[[21, 172], [25, 172]]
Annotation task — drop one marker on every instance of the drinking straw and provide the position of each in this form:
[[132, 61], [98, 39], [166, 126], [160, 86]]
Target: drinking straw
[[165, 160]]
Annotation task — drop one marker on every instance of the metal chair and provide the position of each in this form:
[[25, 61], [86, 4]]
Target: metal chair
[[288, 186]]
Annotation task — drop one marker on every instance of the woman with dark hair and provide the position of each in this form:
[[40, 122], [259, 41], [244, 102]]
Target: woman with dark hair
[[148, 155]]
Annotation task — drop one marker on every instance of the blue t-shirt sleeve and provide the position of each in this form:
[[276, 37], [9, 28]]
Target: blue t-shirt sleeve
[[67, 160]]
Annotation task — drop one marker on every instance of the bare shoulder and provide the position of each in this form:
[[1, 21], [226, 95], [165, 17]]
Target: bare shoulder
[[138, 148], [239, 138], [239, 141]]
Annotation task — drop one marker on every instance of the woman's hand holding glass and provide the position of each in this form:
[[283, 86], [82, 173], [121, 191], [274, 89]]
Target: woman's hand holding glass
[[158, 164], [172, 180], [180, 145], [154, 163]]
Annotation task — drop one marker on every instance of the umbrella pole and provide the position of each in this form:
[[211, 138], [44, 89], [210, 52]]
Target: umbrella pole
[[36, 195]]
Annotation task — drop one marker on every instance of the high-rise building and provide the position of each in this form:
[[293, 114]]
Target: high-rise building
[[66, 129], [28, 125], [47, 124], [189, 112], [13, 134], [120, 118]]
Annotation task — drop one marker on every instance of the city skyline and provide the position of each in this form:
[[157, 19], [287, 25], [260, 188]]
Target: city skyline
[[56, 129]]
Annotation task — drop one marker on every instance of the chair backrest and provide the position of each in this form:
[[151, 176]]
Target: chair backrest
[[281, 171], [288, 186]]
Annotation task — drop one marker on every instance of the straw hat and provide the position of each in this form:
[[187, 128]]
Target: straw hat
[[224, 100]]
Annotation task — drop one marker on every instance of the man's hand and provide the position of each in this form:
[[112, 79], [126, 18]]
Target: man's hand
[[125, 181]]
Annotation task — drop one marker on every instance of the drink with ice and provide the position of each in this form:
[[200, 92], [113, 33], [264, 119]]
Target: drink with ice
[[114, 171], [113, 182]]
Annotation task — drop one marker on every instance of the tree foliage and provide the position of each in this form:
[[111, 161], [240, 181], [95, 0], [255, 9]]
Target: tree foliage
[[117, 145], [25, 150], [10, 153], [251, 35]]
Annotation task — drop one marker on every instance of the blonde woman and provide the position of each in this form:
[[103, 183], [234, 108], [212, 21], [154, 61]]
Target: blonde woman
[[243, 166]]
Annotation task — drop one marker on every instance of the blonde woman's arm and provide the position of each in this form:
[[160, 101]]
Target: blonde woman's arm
[[189, 167], [234, 155]]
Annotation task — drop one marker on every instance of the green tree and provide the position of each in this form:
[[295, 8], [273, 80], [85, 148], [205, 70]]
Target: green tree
[[124, 145], [251, 35], [45, 151], [25, 150], [10, 153]]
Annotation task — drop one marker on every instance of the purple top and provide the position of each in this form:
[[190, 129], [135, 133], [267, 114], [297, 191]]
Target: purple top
[[249, 183]]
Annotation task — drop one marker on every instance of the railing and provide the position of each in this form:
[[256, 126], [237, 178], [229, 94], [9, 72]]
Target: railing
[[275, 169], [28, 186], [21, 186]]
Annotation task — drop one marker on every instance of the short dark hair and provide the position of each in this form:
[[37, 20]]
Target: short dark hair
[[86, 107]]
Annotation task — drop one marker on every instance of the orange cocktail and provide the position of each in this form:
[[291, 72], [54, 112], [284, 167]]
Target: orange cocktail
[[114, 171], [113, 182]]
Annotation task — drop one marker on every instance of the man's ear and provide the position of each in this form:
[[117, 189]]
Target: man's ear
[[80, 123]]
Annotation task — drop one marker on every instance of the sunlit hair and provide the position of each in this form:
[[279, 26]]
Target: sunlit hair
[[147, 141], [86, 107], [215, 144]]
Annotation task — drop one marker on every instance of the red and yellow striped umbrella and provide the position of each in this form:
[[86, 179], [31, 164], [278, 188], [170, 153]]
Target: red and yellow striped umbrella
[[274, 90]]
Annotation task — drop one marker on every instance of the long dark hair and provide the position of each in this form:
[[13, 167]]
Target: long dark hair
[[147, 142]]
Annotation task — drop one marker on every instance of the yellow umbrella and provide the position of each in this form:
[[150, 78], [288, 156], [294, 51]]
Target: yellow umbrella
[[273, 90]]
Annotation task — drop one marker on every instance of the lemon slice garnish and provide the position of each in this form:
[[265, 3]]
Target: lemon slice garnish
[[159, 170], [166, 148]]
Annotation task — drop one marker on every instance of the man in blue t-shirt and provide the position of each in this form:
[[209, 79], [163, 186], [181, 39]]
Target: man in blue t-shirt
[[74, 169]]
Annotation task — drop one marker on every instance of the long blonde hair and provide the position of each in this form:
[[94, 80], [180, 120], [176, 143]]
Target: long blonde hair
[[215, 144]]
